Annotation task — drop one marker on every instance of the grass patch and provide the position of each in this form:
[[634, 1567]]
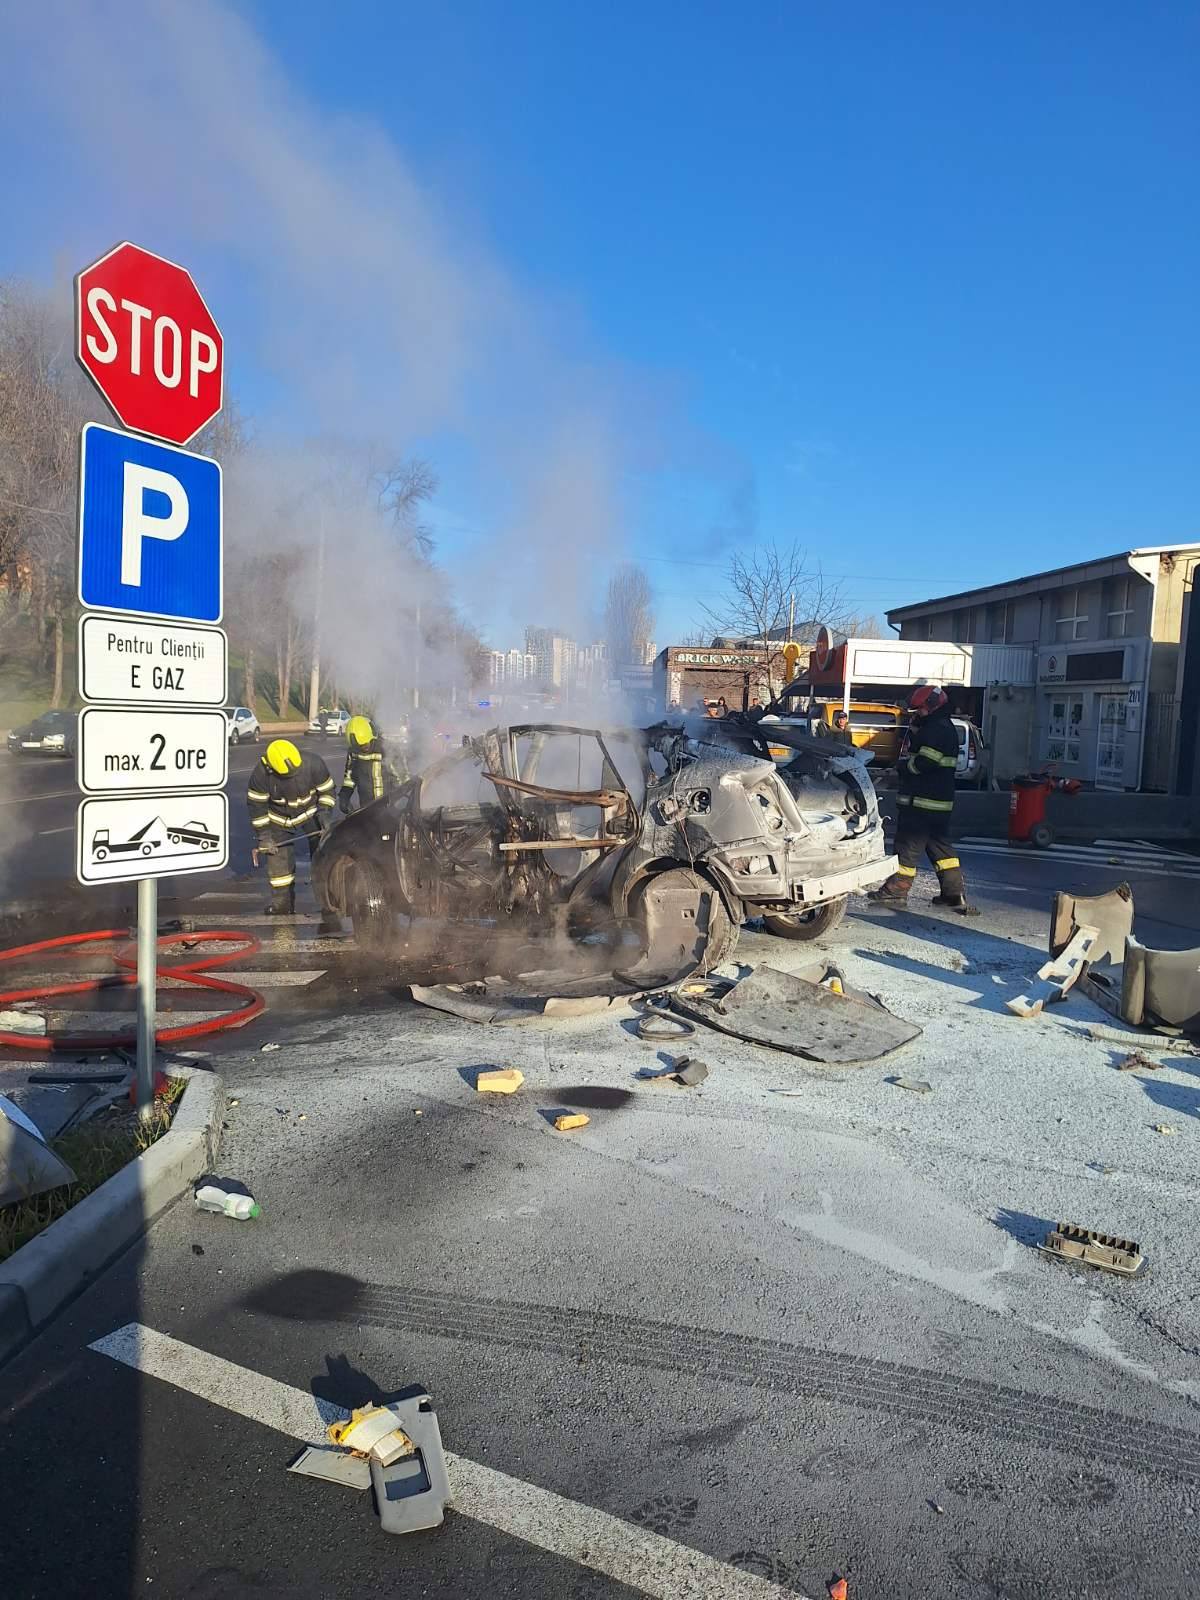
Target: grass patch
[[93, 1151]]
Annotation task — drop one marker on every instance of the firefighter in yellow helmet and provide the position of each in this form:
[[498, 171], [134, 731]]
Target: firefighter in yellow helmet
[[288, 796], [368, 769]]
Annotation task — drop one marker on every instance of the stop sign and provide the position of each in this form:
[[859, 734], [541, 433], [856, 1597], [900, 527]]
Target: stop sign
[[146, 339]]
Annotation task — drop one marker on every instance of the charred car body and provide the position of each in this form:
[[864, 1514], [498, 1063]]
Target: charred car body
[[651, 845]]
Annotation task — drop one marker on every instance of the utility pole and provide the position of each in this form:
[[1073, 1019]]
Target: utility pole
[[314, 682]]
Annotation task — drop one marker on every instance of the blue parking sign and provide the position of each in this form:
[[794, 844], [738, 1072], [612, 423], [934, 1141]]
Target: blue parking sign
[[149, 528]]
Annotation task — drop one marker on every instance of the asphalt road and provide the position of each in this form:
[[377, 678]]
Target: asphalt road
[[793, 1322]]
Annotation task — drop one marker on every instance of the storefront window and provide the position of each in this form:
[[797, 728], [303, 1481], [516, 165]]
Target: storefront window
[[1064, 724]]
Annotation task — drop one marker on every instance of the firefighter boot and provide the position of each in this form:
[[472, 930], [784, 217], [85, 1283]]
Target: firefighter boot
[[895, 891], [952, 890], [282, 903]]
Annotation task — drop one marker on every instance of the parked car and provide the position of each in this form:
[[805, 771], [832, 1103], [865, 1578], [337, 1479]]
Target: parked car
[[51, 734], [643, 847], [330, 720], [875, 728], [243, 724], [973, 769]]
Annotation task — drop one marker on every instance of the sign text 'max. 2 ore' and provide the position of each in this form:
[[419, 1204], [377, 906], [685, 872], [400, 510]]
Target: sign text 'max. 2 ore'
[[126, 661], [122, 749]]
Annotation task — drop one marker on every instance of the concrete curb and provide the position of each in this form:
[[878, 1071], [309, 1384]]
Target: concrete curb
[[65, 1257]]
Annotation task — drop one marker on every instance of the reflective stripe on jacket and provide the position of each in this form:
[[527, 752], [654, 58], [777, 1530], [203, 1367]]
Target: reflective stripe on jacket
[[289, 800], [927, 773], [364, 772]]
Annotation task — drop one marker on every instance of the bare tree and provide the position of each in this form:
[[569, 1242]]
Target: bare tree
[[44, 402], [402, 491], [628, 616], [772, 594]]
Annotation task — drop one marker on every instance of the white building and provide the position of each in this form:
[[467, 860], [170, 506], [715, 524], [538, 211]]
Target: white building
[[1104, 641]]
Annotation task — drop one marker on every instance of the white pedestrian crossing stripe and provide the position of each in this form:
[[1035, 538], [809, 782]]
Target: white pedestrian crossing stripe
[[1129, 855], [647, 1562]]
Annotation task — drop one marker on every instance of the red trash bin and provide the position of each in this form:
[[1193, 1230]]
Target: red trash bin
[[1027, 807], [1027, 812]]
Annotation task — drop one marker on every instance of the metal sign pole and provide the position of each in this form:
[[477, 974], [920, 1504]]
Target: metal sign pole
[[147, 994]]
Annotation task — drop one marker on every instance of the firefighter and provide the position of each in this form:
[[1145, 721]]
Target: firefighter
[[926, 804], [368, 768], [288, 796]]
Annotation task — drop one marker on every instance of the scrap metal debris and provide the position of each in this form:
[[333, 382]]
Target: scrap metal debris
[[373, 1431], [508, 1002], [1136, 1061], [1161, 986], [397, 1450], [501, 1080], [1110, 914], [1105, 1250], [793, 1012], [28, 1166], [690, 1072], [917, 1085], [1057, 976]]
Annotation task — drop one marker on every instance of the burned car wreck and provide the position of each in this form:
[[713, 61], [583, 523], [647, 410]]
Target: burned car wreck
[[645, 848]]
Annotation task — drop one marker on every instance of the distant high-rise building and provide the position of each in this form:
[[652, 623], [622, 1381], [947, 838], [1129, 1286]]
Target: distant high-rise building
[[496, 664], [554, 655]]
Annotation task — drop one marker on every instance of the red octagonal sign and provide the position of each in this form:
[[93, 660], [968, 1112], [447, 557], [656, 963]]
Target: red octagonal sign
[[146, 339]]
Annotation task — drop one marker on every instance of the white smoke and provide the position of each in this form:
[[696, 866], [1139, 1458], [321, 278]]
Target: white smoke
[[362, 306]]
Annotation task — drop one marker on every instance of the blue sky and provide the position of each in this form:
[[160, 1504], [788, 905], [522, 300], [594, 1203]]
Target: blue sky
[[915, 285]]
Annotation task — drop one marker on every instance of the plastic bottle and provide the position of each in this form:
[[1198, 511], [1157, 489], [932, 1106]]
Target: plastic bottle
[[212, 1195]]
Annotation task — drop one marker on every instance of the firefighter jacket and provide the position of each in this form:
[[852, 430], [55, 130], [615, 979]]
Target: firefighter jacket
[[367, 770], [927, 773], [293, 801]]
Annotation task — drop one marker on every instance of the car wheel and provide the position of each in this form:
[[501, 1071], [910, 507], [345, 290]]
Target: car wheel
[[255, 735], [683, 927], [365, 896], [810, 924], [235, 737]]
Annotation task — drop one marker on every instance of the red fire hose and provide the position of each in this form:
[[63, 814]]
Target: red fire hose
[[125, 957]]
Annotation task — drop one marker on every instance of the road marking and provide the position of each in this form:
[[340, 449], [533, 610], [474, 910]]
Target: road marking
[[48, 833], [634, 1556], [1088, 856], [31, 799]]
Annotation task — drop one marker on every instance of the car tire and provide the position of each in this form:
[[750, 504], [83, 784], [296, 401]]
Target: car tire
[[235, 737], [811, 924], [365, 896], [255, 735]]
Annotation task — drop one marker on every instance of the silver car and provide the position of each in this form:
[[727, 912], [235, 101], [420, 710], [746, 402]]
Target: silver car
[[653, 843]]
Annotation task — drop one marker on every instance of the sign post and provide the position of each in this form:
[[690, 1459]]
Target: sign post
[[153, 742]]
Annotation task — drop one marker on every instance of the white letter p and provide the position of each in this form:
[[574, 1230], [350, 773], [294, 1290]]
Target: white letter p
[[136, 525]]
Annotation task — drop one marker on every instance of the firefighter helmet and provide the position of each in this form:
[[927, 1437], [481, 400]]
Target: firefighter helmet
[[359, 731], [282, 757], [927, 698]]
